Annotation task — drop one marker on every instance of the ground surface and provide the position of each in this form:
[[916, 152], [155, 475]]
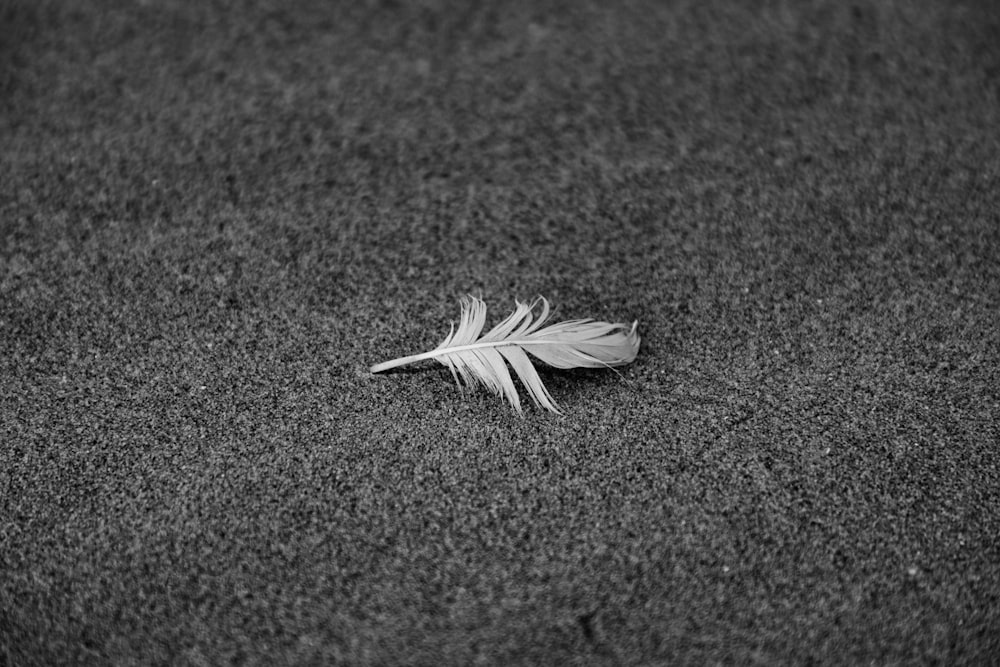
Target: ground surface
[[214, 216]]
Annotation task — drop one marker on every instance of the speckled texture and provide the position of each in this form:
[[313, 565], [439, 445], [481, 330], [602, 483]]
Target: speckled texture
[[215, 217]]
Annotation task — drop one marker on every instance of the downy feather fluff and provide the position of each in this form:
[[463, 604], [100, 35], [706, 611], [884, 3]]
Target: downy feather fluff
[[472, 357]]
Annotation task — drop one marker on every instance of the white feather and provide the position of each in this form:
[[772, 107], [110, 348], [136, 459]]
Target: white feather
[[572, 344]]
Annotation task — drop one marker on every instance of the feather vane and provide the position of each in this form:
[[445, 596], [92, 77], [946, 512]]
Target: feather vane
[[474, 358]]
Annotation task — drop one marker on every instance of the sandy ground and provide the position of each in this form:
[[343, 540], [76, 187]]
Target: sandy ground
[[215, 216]]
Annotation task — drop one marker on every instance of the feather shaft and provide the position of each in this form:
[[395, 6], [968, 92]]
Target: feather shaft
[[435, 353]]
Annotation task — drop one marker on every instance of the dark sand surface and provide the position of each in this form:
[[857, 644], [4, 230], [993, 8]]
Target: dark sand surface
[[215, 216]]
